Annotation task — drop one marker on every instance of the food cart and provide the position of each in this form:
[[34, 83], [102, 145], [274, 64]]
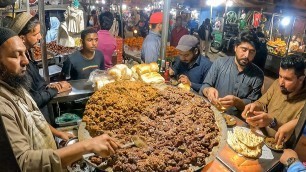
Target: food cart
[[285, 38]]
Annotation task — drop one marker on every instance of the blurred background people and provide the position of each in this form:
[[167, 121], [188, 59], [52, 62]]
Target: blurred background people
[[177, 32], [262, 52], [107, 43], [151, 45], [204, 32], [93, 20], [52, 33]]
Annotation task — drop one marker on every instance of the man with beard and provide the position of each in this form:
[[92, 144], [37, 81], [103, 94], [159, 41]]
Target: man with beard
[[233, 82], [151, 45], [28, 29], [284, 100], [190, 68], [27, 130], [81, 63]]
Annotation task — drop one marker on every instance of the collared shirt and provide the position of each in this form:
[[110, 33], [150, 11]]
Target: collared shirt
[[151, 47], [20, 134], [107, 45], [225, 77], [280, 106], [296, 167], [176, 35], [196, 72]]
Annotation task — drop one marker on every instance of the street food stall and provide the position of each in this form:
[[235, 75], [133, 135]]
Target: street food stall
[[123, 83], [285, 38], [163, 125]]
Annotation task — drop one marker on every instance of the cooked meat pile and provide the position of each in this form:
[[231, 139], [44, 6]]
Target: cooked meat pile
[[179, 127], [58, 49]]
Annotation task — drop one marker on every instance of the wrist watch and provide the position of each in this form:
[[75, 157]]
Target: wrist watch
[[290, 161], [273, 124]]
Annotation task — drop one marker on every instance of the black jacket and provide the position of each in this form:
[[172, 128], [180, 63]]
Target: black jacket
[[38, 88], [202, 33]]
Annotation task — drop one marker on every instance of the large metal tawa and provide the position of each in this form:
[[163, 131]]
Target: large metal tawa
[[83, 134]]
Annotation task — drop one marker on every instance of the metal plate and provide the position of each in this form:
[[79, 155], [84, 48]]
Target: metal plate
[[83, 134]]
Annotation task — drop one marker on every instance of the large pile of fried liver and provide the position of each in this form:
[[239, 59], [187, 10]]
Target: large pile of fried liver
[[178, 127]]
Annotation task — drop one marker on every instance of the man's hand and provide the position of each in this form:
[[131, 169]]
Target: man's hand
[[54, 86], [285, 131], [65, 86], [184, 80], [212, 95], [228, 101], [62, 86], [249, 109], [260, 119], [65, 136], [103, 145], [288, 153]]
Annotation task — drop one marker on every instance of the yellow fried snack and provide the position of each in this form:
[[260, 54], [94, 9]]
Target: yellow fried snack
[[184, 86]]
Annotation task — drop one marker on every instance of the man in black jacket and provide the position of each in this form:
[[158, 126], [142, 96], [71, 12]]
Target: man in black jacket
[[205, 31], [28, 29]]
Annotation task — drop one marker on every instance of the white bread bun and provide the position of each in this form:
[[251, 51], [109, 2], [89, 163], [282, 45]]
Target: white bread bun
[[154, 67], [126, 74], [115, 73], [152, 78], [121, 66], [184, 86], [134, 68], [102, 83], [135, 74], [143, 68]]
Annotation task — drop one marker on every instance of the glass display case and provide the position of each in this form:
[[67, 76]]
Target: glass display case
[[298, 36], [279, 36], [280, 30]]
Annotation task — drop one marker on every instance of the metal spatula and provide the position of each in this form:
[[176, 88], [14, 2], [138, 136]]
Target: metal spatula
[[137, 141]]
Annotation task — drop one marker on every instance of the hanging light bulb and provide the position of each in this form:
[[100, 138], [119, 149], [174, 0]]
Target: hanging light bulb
[[124, 7], [229, 3], [285, 21]]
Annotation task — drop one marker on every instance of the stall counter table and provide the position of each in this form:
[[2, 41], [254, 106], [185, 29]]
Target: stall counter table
[[134, 55], [229, 160], [80, 89], [53, 71]]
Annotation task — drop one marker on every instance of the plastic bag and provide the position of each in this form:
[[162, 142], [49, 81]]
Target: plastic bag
[[99, 78]]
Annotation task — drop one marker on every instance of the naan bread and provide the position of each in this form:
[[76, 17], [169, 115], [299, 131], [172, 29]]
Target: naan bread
[[248, 137], [239, 147]]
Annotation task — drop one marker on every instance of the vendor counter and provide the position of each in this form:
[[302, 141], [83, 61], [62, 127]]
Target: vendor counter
[[54, 70], [133, 55], [80, 89]]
